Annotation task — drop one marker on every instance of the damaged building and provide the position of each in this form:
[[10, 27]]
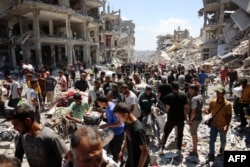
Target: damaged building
[[164, 41], [58, 32], [116, 37], [226, 25]]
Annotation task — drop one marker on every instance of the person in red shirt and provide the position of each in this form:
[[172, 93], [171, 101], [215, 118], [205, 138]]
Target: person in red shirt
[[137, 79], [223, 75]]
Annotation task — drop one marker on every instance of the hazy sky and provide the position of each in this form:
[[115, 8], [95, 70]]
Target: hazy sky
[[159, 17]]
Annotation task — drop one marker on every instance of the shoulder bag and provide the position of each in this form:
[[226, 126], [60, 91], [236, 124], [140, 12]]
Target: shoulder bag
[[208, 122]]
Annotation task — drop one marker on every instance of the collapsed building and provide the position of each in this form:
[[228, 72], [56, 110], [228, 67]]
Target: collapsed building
[[164, 41], [60, 32], [226, 26], [224, 38]]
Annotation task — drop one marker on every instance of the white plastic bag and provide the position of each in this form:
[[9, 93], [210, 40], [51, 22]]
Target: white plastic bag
[[161, 121], [149, 120], [237, 91]]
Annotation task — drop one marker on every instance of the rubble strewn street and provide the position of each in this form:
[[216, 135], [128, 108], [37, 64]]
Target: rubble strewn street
[[239, 139]]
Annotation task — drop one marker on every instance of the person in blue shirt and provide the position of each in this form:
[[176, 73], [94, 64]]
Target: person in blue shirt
[[113, 123], [202, 78]]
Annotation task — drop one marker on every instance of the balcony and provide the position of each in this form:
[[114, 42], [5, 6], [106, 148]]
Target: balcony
[[94, 3], [211, 5]]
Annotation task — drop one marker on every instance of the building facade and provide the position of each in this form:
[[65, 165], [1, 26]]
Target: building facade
[[55, 32], [226, 24]]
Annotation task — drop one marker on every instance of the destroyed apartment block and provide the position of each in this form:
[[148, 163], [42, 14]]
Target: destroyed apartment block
[[57, 32], [226, 25], [170, 42], [116, 38]]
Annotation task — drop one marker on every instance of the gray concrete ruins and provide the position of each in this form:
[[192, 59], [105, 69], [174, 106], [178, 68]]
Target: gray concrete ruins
[[61, 32], [226, 25]]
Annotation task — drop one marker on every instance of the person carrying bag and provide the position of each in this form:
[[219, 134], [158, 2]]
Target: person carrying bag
[[208, 122]]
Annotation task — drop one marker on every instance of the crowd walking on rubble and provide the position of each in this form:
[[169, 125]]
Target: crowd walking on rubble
[[123, 107]]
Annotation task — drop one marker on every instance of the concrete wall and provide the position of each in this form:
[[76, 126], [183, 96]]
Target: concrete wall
[[5, 4], [64, 3], [244, 4], [230, 32], [241, 19]]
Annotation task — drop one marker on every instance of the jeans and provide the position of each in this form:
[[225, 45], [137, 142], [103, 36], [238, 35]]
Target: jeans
[[213, 135]]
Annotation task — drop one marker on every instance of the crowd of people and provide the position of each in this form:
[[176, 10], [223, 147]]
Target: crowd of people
[[178, 92]]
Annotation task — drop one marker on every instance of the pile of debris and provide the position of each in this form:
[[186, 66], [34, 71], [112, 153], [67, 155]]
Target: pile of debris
[[185, 52], [188, 52]]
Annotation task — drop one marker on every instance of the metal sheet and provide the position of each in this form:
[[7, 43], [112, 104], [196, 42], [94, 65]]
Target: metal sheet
[[244, 4], [241, 19]]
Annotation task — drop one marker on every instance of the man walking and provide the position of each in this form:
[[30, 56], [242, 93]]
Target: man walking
[[33, 99], [195, 115], [114, 124], [163, 90], [177, 103], [41, 145], [146, 100], [232, 77], [221, 110], [244, 101], [135, 140], [15, 92], [50, 86]]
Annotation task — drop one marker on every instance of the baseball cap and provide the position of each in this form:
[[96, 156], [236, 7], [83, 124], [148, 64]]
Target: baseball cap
[[220, 89]]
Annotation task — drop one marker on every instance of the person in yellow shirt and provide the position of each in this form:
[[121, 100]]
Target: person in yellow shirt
[[37, 88], [221, 110], [244, 101]]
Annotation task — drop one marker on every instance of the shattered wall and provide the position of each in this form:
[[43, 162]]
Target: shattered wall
[[218, 27], [5, 5]]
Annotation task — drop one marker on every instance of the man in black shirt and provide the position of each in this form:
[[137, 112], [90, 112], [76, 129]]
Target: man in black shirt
[[135, 140], [232, 76], [163, 90], [188, 80], [177, 103], [96, 70], [82, 84]]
